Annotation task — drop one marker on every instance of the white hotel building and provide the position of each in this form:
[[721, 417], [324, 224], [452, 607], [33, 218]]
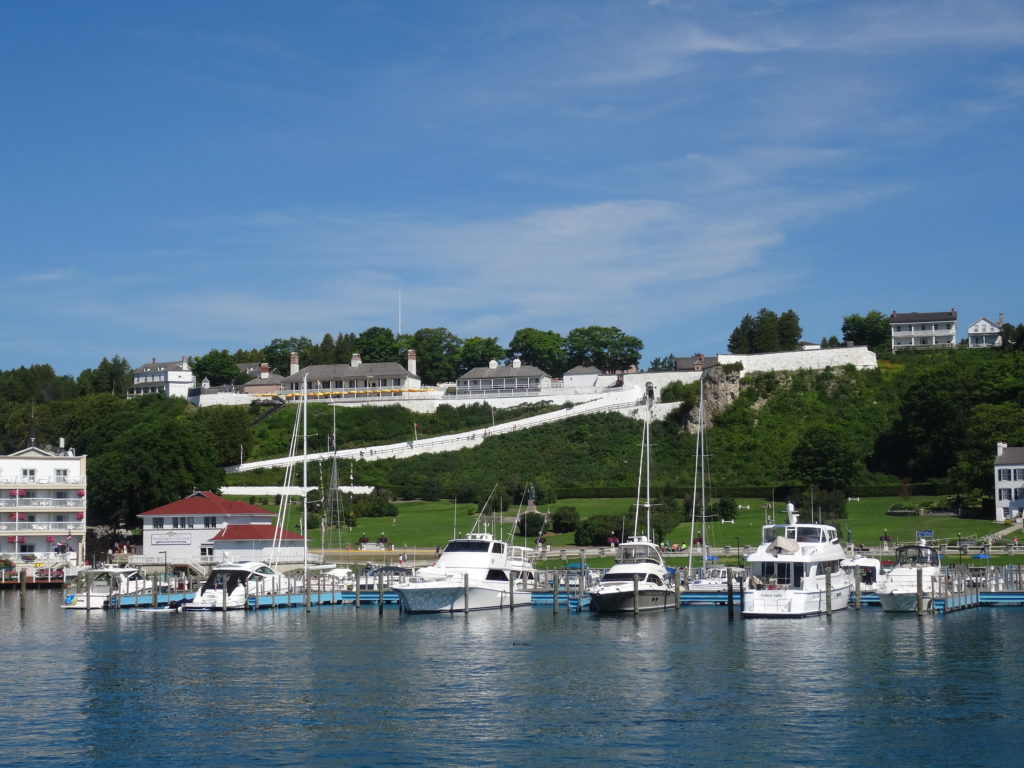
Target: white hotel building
[[42, 506]]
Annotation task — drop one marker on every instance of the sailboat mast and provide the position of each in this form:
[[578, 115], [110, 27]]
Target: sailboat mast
[[305, 473], [698, 477]]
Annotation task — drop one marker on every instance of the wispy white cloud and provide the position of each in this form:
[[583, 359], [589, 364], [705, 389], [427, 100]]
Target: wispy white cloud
[[52, 276]]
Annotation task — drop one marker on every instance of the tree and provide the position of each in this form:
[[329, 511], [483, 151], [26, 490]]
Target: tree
[[825, 458], [766, 331], [478, 351], [111, 376], [344, 347], [605, 347], [543, 349], [323, 353], [278, 353], [789, 331], [217, 365], [741, 340], [871, 330], [667, 363], [229, 428], [378, 345], [437, 351]]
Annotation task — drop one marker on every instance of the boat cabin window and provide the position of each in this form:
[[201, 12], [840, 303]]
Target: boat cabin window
[[467, 546], [495, 575], [497, 547], [916, 555]]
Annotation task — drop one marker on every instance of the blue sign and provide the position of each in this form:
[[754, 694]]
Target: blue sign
[[924, 534]]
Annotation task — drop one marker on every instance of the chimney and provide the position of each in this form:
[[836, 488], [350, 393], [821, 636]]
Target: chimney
[[154, 361], [293, 364], [410, 366], [516, 363], [357, 360], [493, 364], [1002, 320], [264, 370], [1000, 447]]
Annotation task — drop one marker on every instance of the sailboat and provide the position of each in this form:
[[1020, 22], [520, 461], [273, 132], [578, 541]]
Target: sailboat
[[711, 578], [639, 580]]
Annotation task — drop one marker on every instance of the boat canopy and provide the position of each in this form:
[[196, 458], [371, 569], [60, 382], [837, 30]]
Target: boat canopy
[[916, 554]]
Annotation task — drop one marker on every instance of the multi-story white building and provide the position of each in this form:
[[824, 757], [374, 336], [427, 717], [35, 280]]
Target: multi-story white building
[[917, 330], [1009, 477], [355, 380], [172, 379], [206, 528], [984, 333], [42, 506]]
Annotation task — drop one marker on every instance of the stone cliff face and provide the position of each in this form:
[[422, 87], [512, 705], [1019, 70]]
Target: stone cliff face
[[721, 388]]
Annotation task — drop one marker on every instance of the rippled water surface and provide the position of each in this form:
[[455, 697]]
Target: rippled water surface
[[341, 686]]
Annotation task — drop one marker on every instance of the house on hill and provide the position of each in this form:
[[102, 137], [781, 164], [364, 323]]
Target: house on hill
[[172, 379], [354, 380], [984, 333], [515, 379], [918, 330], [1009, 481]]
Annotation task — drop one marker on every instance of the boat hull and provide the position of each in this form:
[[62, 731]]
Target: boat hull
[[627, 601], [451, 597], [904, 602], [792, 603]]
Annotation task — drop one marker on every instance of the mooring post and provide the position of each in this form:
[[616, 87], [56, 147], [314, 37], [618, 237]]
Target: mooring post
[[728, 587], [920, 590], [465, 593], [636, 593], [554, 593], [676, 586], [856, 587], [828, 591], [380, 592]]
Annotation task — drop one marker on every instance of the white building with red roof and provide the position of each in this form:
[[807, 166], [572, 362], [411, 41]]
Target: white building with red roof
[[206, 528]]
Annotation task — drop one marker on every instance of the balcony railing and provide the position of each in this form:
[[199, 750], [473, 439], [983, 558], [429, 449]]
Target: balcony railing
[[36, 528], [34, 502]]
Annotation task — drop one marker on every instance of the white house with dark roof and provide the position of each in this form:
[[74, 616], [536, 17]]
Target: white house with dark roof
[[984, 333], [515, 379], [355, 380], [922, 330], [581, 376], [206, 528], [1009, 481], [172, 379]]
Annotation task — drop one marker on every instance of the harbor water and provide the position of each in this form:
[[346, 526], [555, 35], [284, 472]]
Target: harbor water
[[354, 687]]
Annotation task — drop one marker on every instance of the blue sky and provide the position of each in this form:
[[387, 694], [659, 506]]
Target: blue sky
[[189, 176]]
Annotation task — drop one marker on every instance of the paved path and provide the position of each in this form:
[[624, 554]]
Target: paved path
[[616, 400]]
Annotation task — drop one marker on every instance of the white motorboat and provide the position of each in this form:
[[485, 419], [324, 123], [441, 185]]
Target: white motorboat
[[795, 571], [103, 584], [229, 585], [898, 589], [473, 573], [716, 579], [639, 580], [870, 569]]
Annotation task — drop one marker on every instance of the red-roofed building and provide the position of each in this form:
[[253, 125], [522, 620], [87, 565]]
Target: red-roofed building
[[208, 528]]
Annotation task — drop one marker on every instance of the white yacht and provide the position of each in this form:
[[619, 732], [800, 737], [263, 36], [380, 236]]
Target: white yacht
[[639, 580], [716, 579], [473, 573], [791, 568], [897, 589], [229, 585], [103, 584], [870, 570]]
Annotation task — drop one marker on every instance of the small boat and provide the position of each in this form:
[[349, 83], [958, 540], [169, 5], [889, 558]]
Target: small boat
[[229, 585], [897, 589], [103, 584], [639, 580], [795, 571], [870, 570], [716, 579], [473, 573]]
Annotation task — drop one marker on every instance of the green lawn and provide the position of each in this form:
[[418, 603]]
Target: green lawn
[[429, 524]]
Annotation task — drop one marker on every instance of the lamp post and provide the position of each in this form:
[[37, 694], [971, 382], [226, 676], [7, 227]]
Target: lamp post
[[166, 579]]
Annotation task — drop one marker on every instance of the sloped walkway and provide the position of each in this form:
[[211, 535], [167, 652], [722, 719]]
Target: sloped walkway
[[619, 400]]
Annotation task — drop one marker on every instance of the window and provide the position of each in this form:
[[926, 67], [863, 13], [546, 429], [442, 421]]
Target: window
[[28, 475], [1003, 474], [182, 522], [1018, 474], [1004, 494], [158, 522], [210, 522], [1017, 493], [60, 475]]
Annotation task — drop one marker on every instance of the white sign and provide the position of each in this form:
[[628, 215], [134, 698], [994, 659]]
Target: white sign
[[172, 538]]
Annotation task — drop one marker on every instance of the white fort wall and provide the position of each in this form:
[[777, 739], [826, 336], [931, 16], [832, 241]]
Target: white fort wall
[[814, 359]]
